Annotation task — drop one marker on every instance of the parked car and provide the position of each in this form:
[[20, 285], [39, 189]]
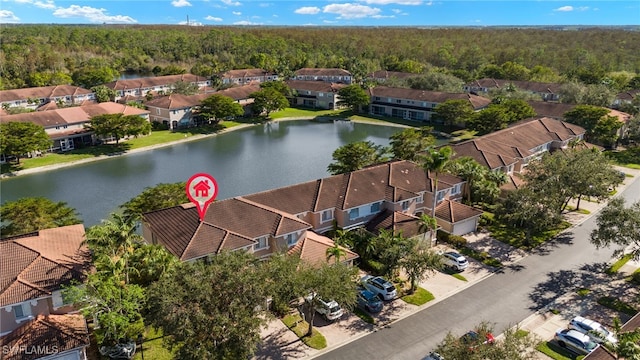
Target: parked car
[[472, 339], [575, 341], [433, 356], [455, 261], [369, 301], [330, 310], [379, 286], [592, 329]]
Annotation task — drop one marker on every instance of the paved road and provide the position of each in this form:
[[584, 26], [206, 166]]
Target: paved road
[[504, 299]]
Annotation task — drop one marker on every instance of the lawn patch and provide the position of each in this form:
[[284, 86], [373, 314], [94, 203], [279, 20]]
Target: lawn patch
[[516, 237], [420, 297], [583, 292], [617, 305], [618, 264], [554, 351], [365, 316], [300, 327], [459, 277], [153, 347], [579, 211], [628, 158]]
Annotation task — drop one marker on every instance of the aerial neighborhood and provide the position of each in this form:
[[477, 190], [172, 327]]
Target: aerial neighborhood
[[479, 176]]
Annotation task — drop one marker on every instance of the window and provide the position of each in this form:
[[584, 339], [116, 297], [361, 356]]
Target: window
[[440, 195], [375, 208], [354, 214], [291, 239], [22, 311], [320, 94], [262, 244], [158, 111], [405, 205], [398, 101], [327, 215], [456, 189]]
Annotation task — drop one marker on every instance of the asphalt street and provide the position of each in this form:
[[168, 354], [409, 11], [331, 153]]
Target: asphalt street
[[503, 299]]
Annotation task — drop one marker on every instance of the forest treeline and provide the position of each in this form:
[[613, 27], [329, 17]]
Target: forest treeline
[[39, 55]]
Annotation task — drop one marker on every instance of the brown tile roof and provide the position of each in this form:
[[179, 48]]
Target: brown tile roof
[[73, 115], [54, 334], [34, 265], [312, 249], [42, 92], [628, 95], [176, 101], [453, 211], [239, 92], [505, 146], [384, 74], [478, 102], [51, 105], [228, 224], [321, 72], [395, 221], [322, 86], [533, 86], [153, 81], [242, 73], [550, 109]]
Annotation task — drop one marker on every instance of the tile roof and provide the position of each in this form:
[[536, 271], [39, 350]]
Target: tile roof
[[395, 221], [242, 73], [312, 249], [476, 101], [147, 82], [34, 265], [628, 95], [453, 211], [506, 146], [73, 115], [321, 72], [321, 86], [239, 92], [551, 109], [538, 87], [180, 101], [54, 334], [42, 92]]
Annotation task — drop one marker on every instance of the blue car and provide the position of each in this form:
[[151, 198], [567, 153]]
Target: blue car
[[369, 301]]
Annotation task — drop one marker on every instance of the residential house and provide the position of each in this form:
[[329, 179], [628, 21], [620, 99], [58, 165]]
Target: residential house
[[140, 87], [35, 319], [66, 126], [547, 91], [509, 150], [602, 353], [269, 221], [246, 76], [179, 111], [385, 75], [315, 94], [626, 97], [37, 96], [330, 75], [312, 249], [416, 105]]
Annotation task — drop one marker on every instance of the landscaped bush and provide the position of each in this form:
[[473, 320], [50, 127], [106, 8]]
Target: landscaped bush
[[486, 219], [156, 125], [454, 240], [373, 266]]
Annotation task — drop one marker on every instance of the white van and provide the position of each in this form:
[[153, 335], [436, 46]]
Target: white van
[[330, 310]]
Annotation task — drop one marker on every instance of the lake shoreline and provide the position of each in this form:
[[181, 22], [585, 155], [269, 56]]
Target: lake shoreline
[[158, 146]]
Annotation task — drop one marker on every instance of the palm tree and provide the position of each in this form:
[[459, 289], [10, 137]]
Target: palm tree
[[337, 252], [427, 223], [436, 161], [470, 170]]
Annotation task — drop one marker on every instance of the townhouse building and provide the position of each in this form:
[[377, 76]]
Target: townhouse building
[[36, 321], [155, 85], [35, 97], [246, 76], [330, 75], [546, 91], [315, 94]]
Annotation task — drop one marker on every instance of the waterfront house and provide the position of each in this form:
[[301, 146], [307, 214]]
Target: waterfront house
[[246, 76], [140, 87], [546, 91], [314, 94], [35, 97], [330, 75], [35, 319]]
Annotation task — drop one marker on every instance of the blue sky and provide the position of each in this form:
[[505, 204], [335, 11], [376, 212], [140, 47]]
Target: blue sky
[[323, 12]]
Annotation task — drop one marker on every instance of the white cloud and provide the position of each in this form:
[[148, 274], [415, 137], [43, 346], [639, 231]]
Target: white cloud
[[231, 2], [351, 11], [564, 8], [383, 16], [583, 8], [93, 15], [307, 10], [7, 17], [396, 2], [180, 3], [244, 22], [238, 13], [213, 18], [48, 4]]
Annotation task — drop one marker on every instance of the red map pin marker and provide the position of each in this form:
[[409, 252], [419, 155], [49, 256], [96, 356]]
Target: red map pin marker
[[202, 189]]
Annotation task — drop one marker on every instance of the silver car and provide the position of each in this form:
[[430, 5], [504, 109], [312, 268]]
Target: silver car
[[575, 341], [592, 329], [379, 286]]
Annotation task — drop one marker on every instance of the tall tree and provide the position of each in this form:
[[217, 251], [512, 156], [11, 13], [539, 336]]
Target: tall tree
[[119, 125], [157, 197], [217, 107], [31, 214], [355, 156], [184, 88], [490, 119], [434, 162], [427, 223], [408, 143], [103, 93], [20, 138], [517, 109], [211, 310], [335, 252], [267, 101], [587, 116], [470, 170], [392, 248], [453, 112], [353, 96], [618, 225], [419, 264]]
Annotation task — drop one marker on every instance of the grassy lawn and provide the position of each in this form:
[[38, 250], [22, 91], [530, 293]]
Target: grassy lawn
[[365, 316], [295, 323], [294, 112], [459, 277], [618, 264], [420, 297], [628, 158], [579, 211], [152, 347], [617, 305], [516, 237], [454, 273], [556, 352]]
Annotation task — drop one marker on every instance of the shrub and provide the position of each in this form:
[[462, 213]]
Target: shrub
[[486, 219], [156, 126], [373, 266], [635, 277]]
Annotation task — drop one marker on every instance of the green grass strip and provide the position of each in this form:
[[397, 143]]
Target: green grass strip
[[618, 264], [555, 352], [617, 305], [365, 316], [300, 327], [420, 297]]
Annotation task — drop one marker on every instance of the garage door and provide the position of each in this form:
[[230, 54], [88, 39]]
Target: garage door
[[465, 227]]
